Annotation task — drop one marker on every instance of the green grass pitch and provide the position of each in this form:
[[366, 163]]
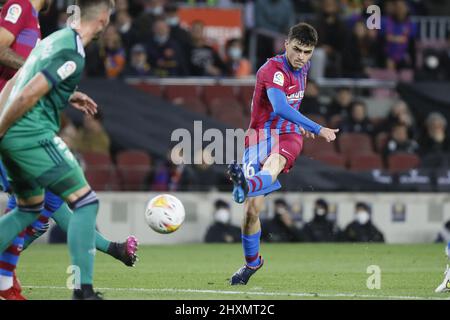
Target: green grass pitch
[[291, 271]]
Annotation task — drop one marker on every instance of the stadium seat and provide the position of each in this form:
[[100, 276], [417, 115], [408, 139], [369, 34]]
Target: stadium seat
[[354, 143], [133, 167], [402, 161], [365, 162], [191, 103], [181, 91], [246, 96], [331, 159], [318, 146], [211, 93], [100, 171], [153, 89], [219, 106], [380, 141]]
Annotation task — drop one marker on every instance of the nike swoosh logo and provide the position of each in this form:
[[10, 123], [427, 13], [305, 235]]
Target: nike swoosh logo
[[292, 87]]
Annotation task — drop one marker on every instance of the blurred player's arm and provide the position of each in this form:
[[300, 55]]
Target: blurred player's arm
[[282, 108], [25, 100], [8, 57], [83, 102], [4, 94]]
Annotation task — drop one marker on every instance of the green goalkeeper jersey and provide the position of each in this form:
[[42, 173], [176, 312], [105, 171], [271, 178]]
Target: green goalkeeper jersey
[[60, 58]]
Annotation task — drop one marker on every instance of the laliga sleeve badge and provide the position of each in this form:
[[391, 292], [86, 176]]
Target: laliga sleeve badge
[[278, 78], [13, 13], [66, 70]]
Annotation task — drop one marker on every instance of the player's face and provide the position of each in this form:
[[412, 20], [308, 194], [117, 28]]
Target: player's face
[[298, 54], [103, 21]]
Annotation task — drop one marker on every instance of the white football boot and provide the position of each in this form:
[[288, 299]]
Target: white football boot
[[445, 285]]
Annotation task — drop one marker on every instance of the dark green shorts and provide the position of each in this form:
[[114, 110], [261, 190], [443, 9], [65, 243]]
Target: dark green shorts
[[44, 163]]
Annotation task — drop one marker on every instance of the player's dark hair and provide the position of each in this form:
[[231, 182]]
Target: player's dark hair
[[304, 33]]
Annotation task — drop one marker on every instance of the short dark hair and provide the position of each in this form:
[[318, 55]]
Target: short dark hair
[[304, 33]]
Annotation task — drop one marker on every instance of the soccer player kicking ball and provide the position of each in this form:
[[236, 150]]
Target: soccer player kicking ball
[[34, 156], [275, 137], [19, 33]]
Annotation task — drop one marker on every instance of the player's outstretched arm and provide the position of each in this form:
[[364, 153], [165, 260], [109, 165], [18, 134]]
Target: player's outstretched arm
[[282, 108], [8, 57], [24, 101]]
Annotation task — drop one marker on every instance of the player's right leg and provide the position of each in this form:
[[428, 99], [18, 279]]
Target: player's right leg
[[251, 226], [25, 212]]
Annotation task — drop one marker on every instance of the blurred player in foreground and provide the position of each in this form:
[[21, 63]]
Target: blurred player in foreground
[[19, 33], [275, 137], [34, 156]]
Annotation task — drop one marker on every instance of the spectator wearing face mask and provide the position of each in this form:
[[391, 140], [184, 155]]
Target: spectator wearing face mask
[[164, 53], [362, 228], [237, 65], [281, 228], [221, 231], [177, 33], [320, 229]]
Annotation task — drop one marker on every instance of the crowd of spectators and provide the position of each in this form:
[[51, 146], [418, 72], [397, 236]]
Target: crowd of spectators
[[146, 37], [285, 225]]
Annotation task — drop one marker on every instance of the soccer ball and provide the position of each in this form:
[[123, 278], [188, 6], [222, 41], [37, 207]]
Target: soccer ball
[[164, 213]]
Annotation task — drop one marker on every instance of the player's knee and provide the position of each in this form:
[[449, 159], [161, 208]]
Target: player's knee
[[89, 198], [252, 209], [31, 208]]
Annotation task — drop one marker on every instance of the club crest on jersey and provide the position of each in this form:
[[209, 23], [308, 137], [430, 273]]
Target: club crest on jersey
[[296, 96], [13, 13], [278, 78], [67, 69]]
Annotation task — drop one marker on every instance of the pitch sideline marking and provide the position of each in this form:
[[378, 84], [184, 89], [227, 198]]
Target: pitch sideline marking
[[228, 292]]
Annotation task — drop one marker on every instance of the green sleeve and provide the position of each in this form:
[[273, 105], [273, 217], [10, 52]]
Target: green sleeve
[[64, 65]]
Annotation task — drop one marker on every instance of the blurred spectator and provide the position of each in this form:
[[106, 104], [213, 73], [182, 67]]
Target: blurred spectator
[[361, 51], [151, 9], [281, 228], [358, 121], [126, 29], [204, 177], [114, 53], [400, 142], [400, 113], [177, 33], [332, 36], [92, 137], [271, 15], [320, 229], [138, 65], [222, 230], [204, 60], [362, 228], [444, 234], [340, 106], [398, 34], [164, 54], [237, 65], [311, 103], [435, 140]]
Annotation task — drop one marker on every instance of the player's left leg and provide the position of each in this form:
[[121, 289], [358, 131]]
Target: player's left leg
[[445, 285]]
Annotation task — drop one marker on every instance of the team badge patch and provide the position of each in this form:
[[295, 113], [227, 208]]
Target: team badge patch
[[13, 13], [278, 78], [66, 69]]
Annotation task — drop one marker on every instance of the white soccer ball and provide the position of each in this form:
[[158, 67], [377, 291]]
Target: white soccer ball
[[164, 213]]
